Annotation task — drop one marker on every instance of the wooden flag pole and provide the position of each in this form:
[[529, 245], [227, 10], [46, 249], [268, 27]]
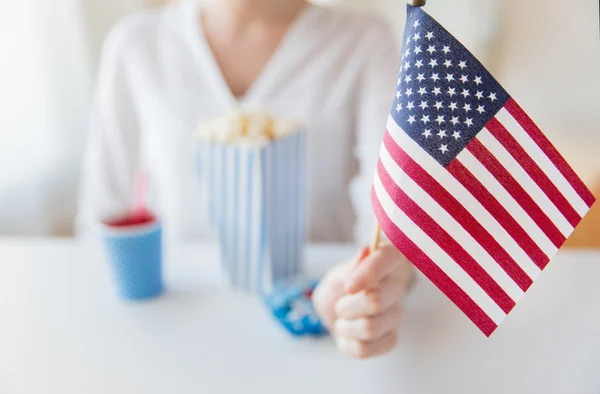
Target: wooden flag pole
[[417, 3]]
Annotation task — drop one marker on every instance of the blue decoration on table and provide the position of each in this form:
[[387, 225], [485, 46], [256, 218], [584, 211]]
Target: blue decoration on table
[[291, 304]]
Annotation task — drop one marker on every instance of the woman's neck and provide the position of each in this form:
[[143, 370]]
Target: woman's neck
[[240, 14]]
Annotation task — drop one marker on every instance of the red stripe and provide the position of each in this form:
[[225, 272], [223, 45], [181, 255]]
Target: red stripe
[[457, 211], [535, 172], [445, 241], [489, 202], [546, 146], [420, 260], [492, 164]]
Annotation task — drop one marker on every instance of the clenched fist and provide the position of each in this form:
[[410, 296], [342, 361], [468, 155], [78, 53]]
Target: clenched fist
[[360, 301]]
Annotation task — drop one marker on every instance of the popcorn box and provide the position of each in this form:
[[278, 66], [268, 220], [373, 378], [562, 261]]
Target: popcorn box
[[256, 200]]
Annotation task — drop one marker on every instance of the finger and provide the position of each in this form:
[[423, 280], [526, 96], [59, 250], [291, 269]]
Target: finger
[[369, 328], [364, 252], [376, 266], [369, 302], [360, 349]]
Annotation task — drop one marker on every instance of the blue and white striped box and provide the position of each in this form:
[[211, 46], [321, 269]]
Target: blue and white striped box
[[256, 200]]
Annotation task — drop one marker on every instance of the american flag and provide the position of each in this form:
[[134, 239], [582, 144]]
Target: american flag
[[467, 187]]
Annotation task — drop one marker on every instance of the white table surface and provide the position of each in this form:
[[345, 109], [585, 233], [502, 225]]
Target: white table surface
[[62, 330]]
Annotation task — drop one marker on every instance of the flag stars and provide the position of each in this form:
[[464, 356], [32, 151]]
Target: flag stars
[[446, 49], [433, 63], [410, 105], [407, 52], [464, 79], [406, 65], [449, 77], [422, 91], [492, 97], [425, 119], [440, 119], [436, 91], [418, 50], [454, 120], [465, 93], [416, 24], [426, 133], [451, 92], [408, 78], [419, 63], [456, 135], [438, 105], [448, 63], [398, 94], [429, 35], [481, 109], [431, 49], [421, 77], [398, 107], [477, 80], [453, 106], [462, 64], [408, 92], [423, 105], [467, 108], [479, 94], [469, 122], [411, 119], [442, 134], [416, 36], [443, 148], [435, 77]]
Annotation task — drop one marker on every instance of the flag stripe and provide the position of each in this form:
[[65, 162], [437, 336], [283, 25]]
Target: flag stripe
[[432, 270], [457, 211], [464, 176], [516, 191], [535, 172], [549, 150], [445, 241], [524, 180]]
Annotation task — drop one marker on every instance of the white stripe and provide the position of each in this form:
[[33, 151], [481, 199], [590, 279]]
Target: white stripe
[[529, 186], [230, 199], [507, 201], [437, 254], [243, 207], [456, 189], [545, 164], [452, 227]]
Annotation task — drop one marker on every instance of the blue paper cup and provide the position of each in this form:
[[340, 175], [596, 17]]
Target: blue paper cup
[[134, 248]]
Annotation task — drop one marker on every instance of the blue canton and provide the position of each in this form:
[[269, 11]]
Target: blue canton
[[444, 95]]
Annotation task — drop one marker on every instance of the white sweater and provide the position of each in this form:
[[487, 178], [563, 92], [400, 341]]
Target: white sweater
[[334, 70]]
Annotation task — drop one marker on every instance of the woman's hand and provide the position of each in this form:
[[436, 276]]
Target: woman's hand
[[360, 301]]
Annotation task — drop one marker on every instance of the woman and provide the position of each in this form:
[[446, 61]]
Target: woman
[[164, 70]]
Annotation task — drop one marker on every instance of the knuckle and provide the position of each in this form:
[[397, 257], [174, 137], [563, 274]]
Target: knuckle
[[367, 328], [362, 351], [374, 301]]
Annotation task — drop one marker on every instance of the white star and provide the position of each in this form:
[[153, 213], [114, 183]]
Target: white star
[[431, 49], [419, 63], [440, 119], [398, 107], [407, 52], [420, 77], [407, 79], [477, 80], [453, 106], [433, 62], [481, 109], [423, 104], [426, 133], [469, 122], [442, 134], [408, 92], [436, 91], [425, 119], [422, 91], [449, 77], [454, 120], [443, 148], [492, 97], [398, 94], [446, 49], [406, 65], [416, 24], [418, 50], [407, 40], [462, 64], [429, 35], [410, 105], [438, 105], [451, 91], [435, 77], [448, 63], [467, 107], [465, 93], [456, 135], [416, 36], [464, 79], [399, 80], [479, 94], [411, 119]]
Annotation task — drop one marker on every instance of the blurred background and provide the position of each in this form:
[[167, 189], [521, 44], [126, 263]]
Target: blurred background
[[545, 52]]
